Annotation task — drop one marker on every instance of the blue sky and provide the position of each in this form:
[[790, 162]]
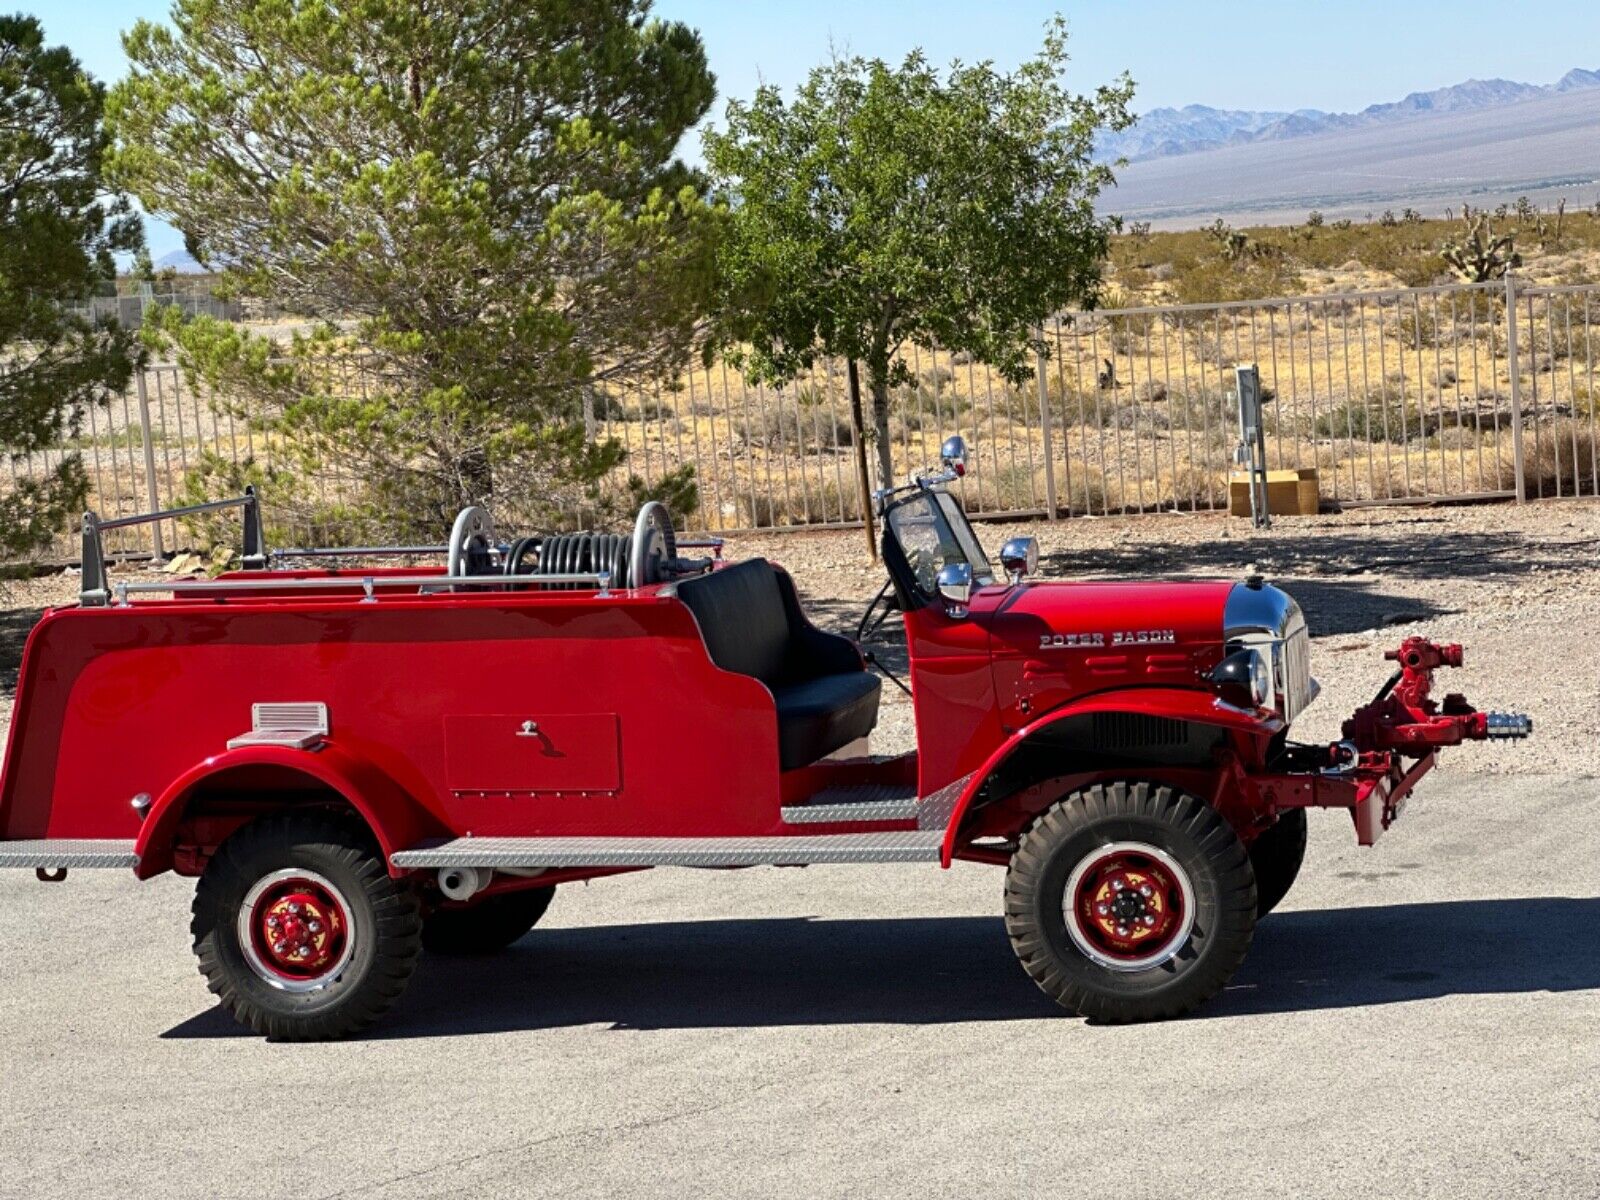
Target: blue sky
[[1281, 55]]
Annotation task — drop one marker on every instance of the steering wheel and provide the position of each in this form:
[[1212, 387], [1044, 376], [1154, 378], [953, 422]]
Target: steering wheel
[[471, 538], [654, 544]]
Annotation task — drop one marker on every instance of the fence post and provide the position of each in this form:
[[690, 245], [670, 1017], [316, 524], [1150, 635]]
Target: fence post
[[1516, 387], [1044, 429], [149, 460]]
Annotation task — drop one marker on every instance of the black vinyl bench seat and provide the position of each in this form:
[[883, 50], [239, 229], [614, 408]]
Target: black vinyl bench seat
[[752, 623]]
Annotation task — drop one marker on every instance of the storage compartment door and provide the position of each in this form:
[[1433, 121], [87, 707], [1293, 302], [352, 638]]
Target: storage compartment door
[[533, 752]]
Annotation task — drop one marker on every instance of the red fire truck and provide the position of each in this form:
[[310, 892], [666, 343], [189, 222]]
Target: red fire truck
[[360, 762]]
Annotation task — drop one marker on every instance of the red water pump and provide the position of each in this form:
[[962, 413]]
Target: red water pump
[[1404, 717]]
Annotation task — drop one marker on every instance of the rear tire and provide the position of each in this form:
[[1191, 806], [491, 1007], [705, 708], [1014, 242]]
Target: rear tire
[[1130, 902], [1277, 856], [488, 926], [300, 931]]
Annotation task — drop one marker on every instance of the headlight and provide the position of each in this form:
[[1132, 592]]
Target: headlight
[[1245, 678]]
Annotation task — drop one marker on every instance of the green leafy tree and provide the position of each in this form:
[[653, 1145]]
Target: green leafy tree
[[477, 200], [59, 231], [893, 205]]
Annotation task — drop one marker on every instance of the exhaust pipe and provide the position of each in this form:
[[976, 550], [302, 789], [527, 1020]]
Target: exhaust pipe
[[463, 883]]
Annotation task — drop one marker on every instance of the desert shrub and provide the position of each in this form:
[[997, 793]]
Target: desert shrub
[[1193, 485], [1380, 417], [1558, 459], [1083, 491], [794, 429], [677, 489], [819, 502], [1009, 489]]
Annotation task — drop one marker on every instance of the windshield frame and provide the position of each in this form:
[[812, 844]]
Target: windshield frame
[[954, 532]]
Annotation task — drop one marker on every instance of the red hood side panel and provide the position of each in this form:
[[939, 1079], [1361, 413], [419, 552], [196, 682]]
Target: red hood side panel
[[1053, 642]]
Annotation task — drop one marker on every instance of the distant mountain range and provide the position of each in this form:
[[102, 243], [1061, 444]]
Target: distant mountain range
[[180, 261], [1164, 132]]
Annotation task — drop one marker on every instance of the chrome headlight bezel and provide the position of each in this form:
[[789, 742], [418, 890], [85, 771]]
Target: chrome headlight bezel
[[1245, 675]]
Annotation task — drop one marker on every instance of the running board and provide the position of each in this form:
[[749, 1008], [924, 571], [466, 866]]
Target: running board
[[914, 845], [866, 802], [52, 854]]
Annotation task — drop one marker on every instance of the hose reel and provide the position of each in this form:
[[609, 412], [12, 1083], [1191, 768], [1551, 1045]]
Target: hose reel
[[648, 555]]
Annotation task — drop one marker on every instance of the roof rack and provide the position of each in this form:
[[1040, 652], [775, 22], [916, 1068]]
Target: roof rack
[[94, 591]]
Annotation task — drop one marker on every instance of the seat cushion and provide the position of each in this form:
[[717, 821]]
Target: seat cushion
[[742, 618], [821, 715]]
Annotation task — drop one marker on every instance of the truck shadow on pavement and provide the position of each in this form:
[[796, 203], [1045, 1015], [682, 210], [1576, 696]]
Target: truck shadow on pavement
[[948, 970]]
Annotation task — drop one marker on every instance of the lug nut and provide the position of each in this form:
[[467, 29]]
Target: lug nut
[[1144, 889], [280, 947], [1122, 931], [294, 907], [314, 926], [1102, 909], [1149, 920], [1116, 885], [272, 922]]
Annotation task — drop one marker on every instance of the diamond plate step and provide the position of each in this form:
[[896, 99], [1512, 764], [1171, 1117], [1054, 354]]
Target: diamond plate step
[[78, 853], [906, 846], [864, 802]]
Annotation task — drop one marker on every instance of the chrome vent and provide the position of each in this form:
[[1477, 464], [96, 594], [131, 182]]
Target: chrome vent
[[299, 725]]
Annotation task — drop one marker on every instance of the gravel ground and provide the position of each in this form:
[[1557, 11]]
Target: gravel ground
[[1511, 582]]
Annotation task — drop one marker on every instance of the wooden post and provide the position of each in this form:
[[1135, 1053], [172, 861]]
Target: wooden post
[[863, 480]]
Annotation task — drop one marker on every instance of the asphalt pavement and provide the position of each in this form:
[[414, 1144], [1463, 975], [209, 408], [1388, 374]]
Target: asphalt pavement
[[1420, 1019]]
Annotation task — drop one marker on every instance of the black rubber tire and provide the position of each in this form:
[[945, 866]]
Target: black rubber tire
[[385, 918], [1276, 856], [488, 926], [1193, 834]]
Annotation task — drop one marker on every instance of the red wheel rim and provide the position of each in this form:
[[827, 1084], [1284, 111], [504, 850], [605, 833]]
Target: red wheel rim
[[1129, 906], [295, 930]]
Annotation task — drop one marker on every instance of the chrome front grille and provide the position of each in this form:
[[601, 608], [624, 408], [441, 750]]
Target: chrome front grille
[[1269, 620], [1293, 662]]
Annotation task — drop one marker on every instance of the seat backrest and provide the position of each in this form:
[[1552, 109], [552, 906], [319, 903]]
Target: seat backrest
[[742, 617]]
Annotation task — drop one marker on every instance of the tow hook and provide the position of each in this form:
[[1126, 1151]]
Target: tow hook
[[1343, 758], [46, 875]]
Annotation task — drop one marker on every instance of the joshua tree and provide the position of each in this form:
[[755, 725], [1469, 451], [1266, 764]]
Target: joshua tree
[[1479, 256]]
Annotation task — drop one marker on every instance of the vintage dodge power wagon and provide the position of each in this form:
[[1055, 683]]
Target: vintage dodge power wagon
[[361, 762]]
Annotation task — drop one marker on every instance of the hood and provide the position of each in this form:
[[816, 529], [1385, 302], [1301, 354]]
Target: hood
[[1052, 642], [1108, 616]]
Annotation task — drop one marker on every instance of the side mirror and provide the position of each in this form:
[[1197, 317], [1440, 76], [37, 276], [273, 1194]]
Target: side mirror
[[954, 454], [955, 586], [1019, 557]]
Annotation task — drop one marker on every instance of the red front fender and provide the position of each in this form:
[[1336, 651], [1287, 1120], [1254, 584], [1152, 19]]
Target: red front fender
[[1180, 704], [396, 819]]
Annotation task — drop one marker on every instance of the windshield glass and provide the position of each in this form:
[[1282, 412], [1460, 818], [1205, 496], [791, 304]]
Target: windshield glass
[[933, 532]]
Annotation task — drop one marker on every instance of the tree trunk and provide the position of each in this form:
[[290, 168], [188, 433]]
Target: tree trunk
[[880, 425], [858, 431]]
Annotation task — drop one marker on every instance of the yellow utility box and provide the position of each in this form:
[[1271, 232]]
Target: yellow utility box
[[1289, 493]]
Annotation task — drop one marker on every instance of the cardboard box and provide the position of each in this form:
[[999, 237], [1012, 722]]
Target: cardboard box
[[1289, 493]]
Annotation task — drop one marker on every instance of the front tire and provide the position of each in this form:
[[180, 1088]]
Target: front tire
[[300, 931], [490, 925], [1277, 856], [1130, 902]]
